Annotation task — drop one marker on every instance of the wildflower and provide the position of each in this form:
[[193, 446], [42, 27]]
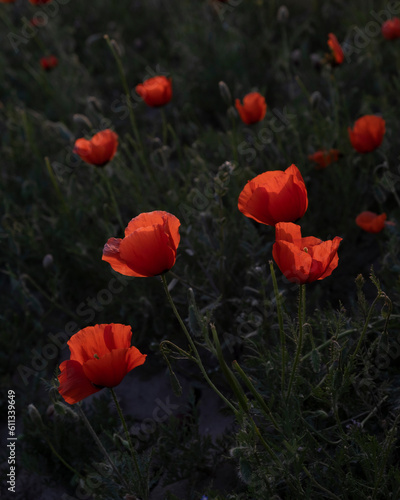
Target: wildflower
[[371, 222], [391, 28], [101, 356], [149, 247], [155, 91], [99, 150], [253, 108], [323, 158], [303, 260], [336, 49], [49, 62], [275, 196], [367, 133]]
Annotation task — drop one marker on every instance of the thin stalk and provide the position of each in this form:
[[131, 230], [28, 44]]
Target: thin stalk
[[101, 447], [112, 196], [129, 99], [192, 345], [280, 322], [164, 127], [300, 338], [55, 452], [55, 184], [256, 394], [132, 449]]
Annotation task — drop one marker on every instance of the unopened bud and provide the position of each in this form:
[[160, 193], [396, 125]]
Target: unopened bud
[[232, 114], [118, 440], [225, 93], [117, 48], [295, 56], [82, 120], [94, 103], [316, 61], [283, 14], [47, 261], [35, 416], [315, 99]]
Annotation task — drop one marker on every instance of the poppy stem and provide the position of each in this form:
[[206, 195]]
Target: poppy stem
[[55, 452], [101, 447], [192, 345], [55, 184], [128, 97], [112, 196], [280, 322], [164, 127], [133, 451], [302, 293]]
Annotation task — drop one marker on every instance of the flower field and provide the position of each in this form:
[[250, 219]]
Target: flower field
[[200, 257]]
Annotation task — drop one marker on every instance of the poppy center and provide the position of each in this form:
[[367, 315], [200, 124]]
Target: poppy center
[[305, 249], [96, 356]]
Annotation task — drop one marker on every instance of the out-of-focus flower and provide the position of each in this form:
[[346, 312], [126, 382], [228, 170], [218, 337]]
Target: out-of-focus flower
[[324, 157], [101, 356], [303, 260], [371, 222], [49, 62], [337, 52], [99, 150], [367, 133], [39, 2], [391, 28], [275, 196], [149, 247], [156, 91], [253, 108]]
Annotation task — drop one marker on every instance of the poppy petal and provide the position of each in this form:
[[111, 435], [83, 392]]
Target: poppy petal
[[74, 385]]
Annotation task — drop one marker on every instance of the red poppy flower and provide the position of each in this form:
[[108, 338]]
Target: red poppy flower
[[323, 158], [337, 52], [391, 28], [99, 150], [155, 91], [149, 247], [101, 356], [39, 2], [253, 108], [303, 260], [371, 222], [275, 196], [49, 62], [367, 133]]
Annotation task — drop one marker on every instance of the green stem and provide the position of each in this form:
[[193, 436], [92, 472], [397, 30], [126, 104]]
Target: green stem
[[300, 338], [256, 394], [164, 127], [128, 97], [133, 451], [280, 322], [192, 345], [61, 458], [112, 196], [55, 184], [101, 447]]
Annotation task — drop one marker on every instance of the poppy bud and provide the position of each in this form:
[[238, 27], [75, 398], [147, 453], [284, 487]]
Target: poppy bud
[[48, 261], [35, 416], [225, 93], [283, 14], [82, 120]]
